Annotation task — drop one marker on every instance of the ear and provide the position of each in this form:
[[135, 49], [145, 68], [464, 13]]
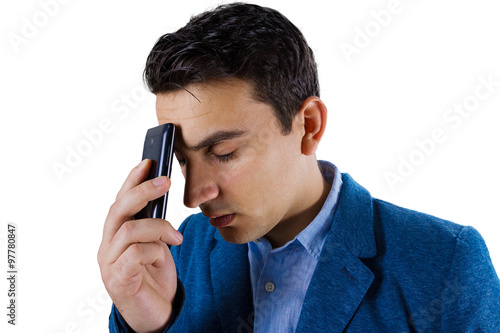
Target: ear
[[312, 119]]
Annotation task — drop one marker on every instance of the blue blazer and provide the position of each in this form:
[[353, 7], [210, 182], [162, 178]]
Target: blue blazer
[[383, 268]]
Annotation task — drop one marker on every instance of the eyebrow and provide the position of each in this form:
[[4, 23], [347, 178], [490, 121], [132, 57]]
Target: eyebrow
[[217, 137]]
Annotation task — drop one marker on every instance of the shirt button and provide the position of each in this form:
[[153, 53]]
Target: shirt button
[[270, 287]]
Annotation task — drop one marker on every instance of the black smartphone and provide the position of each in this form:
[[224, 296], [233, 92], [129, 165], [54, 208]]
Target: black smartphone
[[159, 148]]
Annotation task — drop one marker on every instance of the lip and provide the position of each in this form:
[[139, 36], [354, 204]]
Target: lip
[[221, 220]]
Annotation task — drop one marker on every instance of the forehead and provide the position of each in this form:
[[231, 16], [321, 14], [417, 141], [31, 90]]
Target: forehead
[[198, 100], [204, 108]]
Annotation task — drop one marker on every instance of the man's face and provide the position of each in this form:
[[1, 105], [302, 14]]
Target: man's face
[[239, 168]]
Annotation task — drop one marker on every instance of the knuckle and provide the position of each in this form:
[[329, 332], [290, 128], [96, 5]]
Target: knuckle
[[113, 209], [118, 195], [124, 233], [99, 258], [165, 224], [112, 282], [135, 250], [127, 228], [102, 255], [140, 189], [106, 277], [165, 227]]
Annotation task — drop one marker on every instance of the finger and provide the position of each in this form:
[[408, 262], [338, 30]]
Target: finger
[[135, 257], [136, 176], [135, 199], [142, 231], [131, 202]]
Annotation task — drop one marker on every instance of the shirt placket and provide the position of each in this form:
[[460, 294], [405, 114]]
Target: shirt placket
[[267, 294]]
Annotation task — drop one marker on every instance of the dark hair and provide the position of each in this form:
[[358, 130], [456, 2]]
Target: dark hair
[[245, 41]]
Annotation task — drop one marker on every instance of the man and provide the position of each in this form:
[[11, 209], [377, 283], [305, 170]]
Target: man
[[284, 243]]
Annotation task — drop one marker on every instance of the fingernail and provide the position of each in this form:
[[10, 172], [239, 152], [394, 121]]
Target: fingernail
[[159, 181], [140, 165]]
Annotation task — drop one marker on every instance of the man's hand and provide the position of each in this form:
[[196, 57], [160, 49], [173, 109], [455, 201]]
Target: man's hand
[[136, 265]]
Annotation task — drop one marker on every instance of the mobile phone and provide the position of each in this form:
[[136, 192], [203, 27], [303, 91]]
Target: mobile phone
[[159, 148]]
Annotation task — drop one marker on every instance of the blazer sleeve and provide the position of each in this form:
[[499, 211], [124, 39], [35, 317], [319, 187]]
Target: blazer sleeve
[[116, 322], [471, 292]]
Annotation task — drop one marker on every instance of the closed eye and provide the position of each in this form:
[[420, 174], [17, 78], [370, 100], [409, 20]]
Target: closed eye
[[222, 158], [225, 158]]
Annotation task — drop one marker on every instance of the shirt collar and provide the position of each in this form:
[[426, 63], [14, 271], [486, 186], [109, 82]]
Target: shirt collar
[[314, 235]]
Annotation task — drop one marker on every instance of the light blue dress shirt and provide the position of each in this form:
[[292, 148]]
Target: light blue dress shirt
[[280, 277]]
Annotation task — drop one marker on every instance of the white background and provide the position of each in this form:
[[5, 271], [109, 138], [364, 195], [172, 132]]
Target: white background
[[82, 62]]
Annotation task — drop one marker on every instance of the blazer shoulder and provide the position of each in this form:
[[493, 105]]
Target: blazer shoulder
[[434, 260], [412, 223], [416, 241]]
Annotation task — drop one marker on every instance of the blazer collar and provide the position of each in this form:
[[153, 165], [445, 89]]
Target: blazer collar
[[353, 220], [341, 280]]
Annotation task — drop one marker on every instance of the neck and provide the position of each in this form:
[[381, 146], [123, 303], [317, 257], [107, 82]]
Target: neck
[[308, 205]]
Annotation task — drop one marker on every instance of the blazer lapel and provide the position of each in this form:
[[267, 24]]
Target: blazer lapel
[[231, 284], [341, 280]]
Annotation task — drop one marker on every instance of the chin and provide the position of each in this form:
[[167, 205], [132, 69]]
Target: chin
[[235, 236]]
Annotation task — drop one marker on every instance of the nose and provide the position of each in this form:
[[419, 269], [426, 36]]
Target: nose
[[199, 187]]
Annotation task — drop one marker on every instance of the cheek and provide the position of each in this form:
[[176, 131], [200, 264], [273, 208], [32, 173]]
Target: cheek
[[259, 179], [237, 181], [245, 182]]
